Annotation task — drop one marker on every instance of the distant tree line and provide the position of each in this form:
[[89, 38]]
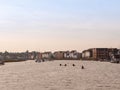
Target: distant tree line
[[18, 56]]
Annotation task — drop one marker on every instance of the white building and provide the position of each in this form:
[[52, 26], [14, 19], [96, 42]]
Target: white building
[[86, 54], [71, 54], [47, 55]]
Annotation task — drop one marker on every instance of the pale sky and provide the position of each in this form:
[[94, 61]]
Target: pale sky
[[51, 25]]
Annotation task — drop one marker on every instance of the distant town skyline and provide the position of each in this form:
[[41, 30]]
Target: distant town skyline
[[58, 25]]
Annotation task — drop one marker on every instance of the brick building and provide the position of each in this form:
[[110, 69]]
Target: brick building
[[98, 53], [59, 55], [67, 55]]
